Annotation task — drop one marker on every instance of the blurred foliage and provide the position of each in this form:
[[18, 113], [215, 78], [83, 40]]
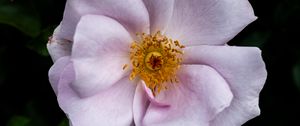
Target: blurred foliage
[[26, 96], [64, 122], [28, 99], [38, 43], [296, 75], [18, 121], [2, 68], [31, 17], [21, 15], [257, 39]]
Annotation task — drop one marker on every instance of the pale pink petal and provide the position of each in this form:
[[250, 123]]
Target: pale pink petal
[[160, 13], [201, 94], [245, 72], [112, 107], [56, 71], [100, 50], [131, 14], [140, 104], [58, 48], [212, 22]]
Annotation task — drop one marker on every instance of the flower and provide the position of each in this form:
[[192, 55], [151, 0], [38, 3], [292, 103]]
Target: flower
[[178, 70]]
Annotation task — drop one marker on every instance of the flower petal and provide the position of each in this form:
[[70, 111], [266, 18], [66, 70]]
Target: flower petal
[[245, 72], [132, 14], [212, 22], [201, 94], [56, 71], [58, 48], [140, 104], [101, 48], [160, 13], [110, 107]]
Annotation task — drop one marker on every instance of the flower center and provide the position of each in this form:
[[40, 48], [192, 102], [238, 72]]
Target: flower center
[[155, 59]]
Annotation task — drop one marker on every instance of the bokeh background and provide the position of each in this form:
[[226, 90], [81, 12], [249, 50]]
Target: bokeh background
[[27, 99]]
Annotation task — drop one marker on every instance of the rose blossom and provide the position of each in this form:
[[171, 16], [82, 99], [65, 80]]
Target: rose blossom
[[177, 70]]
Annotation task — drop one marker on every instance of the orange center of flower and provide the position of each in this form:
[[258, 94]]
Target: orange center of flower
[[155, 59]]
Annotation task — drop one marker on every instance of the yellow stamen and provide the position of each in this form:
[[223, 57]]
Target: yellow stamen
[[125, 66], [155, 59]]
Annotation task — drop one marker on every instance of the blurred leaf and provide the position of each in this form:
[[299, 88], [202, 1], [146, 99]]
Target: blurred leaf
[[296, 74], [2, 66], [257, 39], [18, 121], [37, 118], [286, 12], [64, 122], [21, 15], [39, 43]]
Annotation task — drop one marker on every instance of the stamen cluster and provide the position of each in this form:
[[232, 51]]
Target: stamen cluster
[[155, 59]]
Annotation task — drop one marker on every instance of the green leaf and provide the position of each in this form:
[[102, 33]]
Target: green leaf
[[34, 113], [296, 75], [18, 121], [38, 44], [2, 66], [21, 15], [257, 39], [64, 122]]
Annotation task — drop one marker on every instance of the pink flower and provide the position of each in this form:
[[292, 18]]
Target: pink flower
[[216, 84]]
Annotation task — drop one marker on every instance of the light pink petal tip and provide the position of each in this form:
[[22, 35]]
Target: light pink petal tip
[[112, 107], [100, 50], [58, 48], [245, 72], [209, 22], [201, 94], [131, 14]]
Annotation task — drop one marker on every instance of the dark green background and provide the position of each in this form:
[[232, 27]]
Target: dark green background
[[27, 99]]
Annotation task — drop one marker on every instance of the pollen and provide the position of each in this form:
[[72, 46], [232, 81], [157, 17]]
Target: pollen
[[155, 59]]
